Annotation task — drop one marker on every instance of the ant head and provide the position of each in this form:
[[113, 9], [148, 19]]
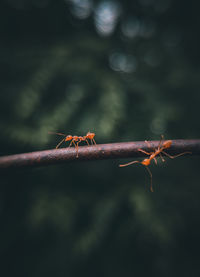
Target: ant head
[[167, 144], [90, 135], [68, 138], [145, 162]]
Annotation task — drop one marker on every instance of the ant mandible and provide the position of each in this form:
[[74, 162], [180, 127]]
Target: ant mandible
[[152, 156], [75, 139]]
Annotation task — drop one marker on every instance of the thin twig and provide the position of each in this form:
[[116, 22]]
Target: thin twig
[[95, 152]]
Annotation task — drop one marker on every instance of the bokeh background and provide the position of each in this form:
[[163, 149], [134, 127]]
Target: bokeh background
[[126, 70]]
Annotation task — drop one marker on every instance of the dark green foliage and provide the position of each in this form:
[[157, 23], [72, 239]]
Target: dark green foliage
[[60, 73]]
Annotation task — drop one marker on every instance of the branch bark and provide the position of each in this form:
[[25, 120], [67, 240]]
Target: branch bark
[[94, 152]]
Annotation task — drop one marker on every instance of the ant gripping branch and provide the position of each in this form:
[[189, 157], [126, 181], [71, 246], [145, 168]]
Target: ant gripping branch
[[91, 137], [75, 140], [153, 155]]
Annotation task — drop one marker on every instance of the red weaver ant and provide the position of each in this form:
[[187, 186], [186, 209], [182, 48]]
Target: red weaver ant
[[91, 137], [152, 155], [75, 139]]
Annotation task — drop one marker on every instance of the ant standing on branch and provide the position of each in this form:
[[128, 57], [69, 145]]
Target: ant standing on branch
[[75, 140], [153, 155]]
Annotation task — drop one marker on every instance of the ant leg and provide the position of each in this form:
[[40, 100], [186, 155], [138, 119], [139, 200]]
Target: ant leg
[[149, 146], [87, 142], [148, 143], [175, 156], [94, 141], [147, 153], [76, 147], [160, 142], [76, 150], [70, 143], [163, 160], [60, 143], [122, 165], [155, 161], [151, 185]]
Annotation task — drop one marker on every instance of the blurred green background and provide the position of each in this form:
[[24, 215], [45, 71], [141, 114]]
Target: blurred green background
[[126, 70]]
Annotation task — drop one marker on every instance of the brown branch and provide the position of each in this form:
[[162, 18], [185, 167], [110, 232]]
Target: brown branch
[[95, 152]]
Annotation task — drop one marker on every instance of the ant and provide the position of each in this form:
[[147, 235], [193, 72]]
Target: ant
[[75, 139], [91, 137], [152, 155]]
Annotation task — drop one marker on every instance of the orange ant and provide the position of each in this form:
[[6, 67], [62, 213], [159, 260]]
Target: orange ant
[[152, 155], [75, 139], [91, 137]]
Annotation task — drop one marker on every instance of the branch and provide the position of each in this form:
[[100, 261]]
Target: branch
[[94, 152]]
